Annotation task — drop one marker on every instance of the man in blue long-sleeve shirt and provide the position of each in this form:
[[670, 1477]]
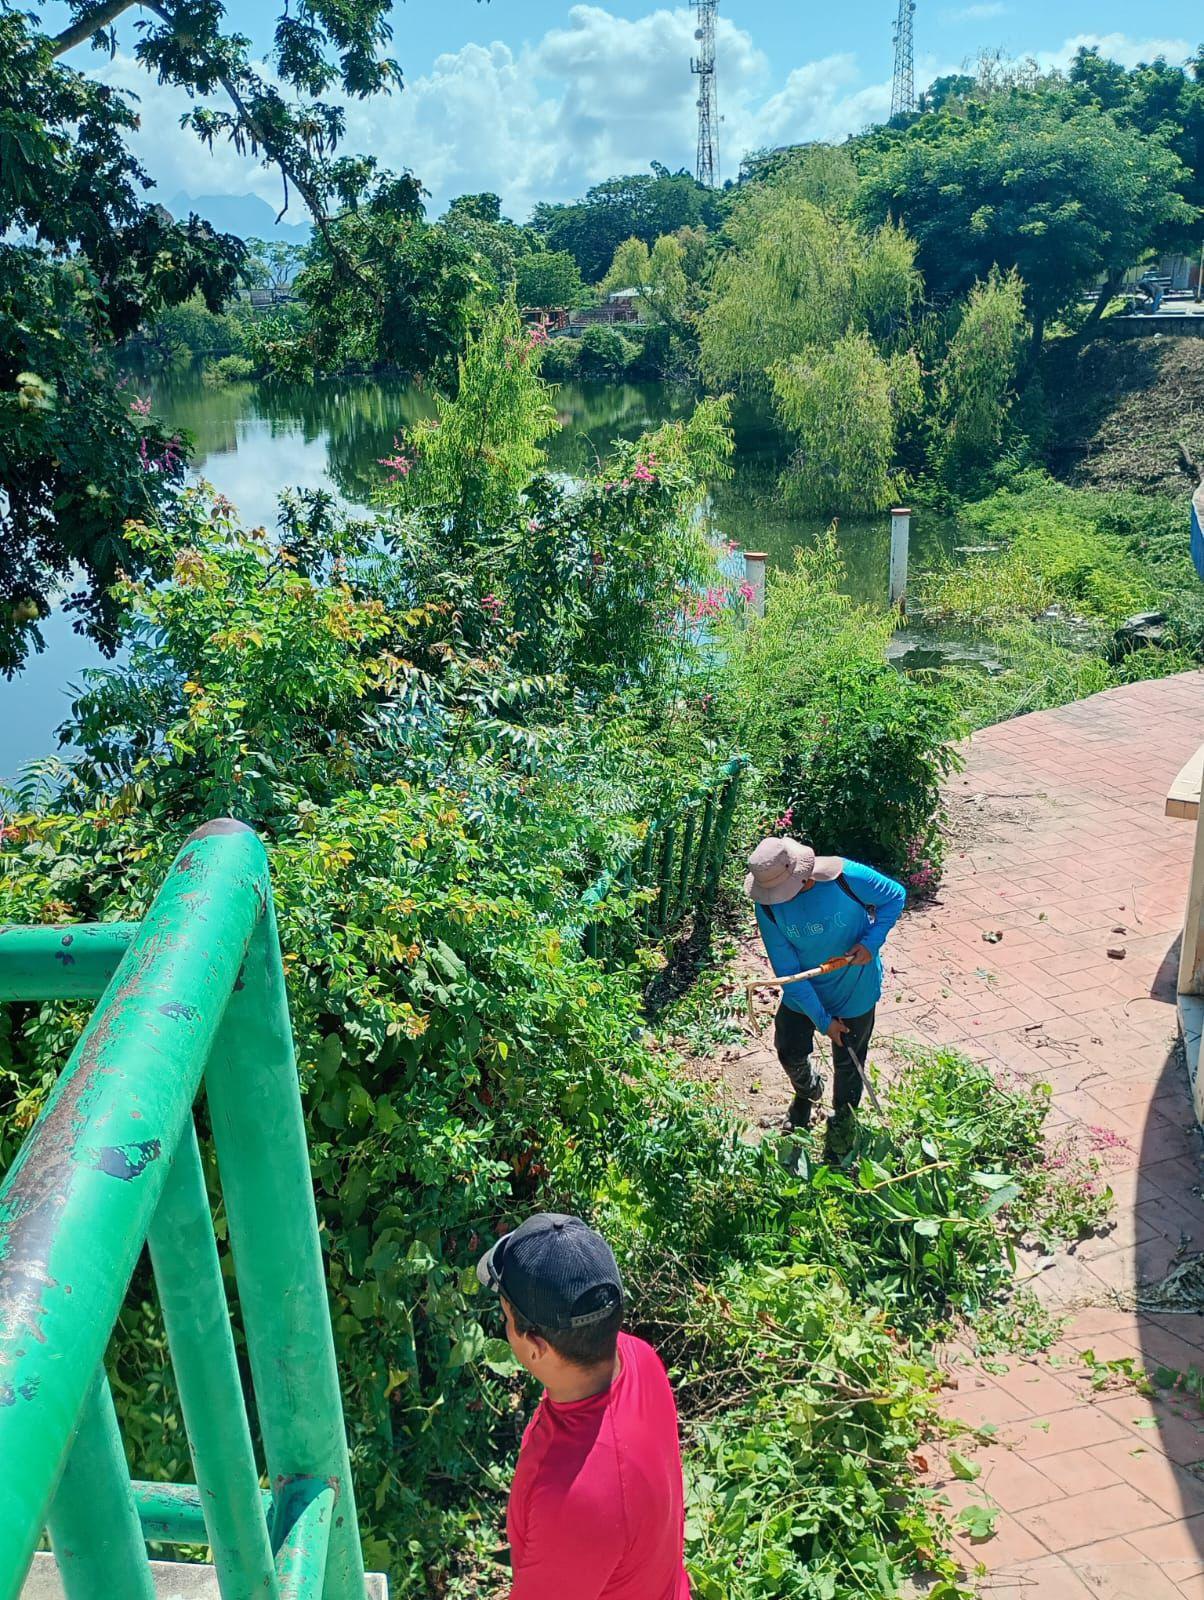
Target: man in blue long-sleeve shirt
[[810, 909]]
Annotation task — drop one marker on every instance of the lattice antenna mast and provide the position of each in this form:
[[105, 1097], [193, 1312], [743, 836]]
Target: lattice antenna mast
[[903, 86], [703, 64]]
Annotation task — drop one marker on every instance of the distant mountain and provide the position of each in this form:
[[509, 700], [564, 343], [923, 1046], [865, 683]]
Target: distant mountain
[[247, 215]]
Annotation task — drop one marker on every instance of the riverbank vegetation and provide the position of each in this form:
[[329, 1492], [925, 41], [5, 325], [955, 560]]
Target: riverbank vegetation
[[445, 721]]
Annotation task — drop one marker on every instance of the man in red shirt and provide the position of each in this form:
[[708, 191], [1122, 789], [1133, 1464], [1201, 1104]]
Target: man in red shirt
[[596, 1507]]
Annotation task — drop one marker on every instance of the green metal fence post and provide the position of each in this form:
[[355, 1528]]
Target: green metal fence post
[[646, 856], [189, 1279], [171, 1513], [681, 898], [61, 963], [263, 1159], [723, 825], [76, 1205], [704, 839], [94, 1528], [665, 875], [302, 1557]]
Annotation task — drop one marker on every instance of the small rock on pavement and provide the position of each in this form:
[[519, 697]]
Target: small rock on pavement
[[993, 935], [1116, 952]]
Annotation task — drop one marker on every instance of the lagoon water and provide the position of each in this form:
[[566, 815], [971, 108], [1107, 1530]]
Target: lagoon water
[[253, 440]]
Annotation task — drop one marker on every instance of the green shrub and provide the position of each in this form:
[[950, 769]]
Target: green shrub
[[227, 369], [561, 359], [605, 353], [849, 752]]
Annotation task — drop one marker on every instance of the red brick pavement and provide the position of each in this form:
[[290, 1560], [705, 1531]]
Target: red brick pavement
[[1063, 848]]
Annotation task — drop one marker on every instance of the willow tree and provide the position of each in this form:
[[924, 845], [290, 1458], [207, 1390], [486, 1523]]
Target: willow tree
[[795, 278], [976, 386], [844, 407]]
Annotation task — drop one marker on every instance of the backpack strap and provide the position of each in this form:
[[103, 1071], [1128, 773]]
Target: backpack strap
[[871, 911]]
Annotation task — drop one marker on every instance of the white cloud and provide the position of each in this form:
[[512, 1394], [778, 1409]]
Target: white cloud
[[1120, 47], [982, 12], [595, 96]]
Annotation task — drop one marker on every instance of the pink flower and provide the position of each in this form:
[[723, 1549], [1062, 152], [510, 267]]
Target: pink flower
[[534, 525], [730, 545], [786, 820], [491, 603], [399, 463], [642, 474], [747, 593], [537, 336], [140, 408]]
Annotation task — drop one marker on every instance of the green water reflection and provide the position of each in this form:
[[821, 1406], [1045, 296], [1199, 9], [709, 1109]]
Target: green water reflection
[[252, 440]]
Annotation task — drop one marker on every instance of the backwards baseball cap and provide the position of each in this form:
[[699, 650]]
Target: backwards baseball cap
[[556, 1271]]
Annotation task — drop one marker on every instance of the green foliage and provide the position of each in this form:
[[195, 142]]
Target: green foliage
[[604, 352], [96, 259], [477, 221], [844, 408], [639, 206], [382, 288], [228, 369], [444, 721], [795, 279], [851, 749], [184, 332], [549, 280], [1070, 566], [1061, 194], [470, 463], [975, 388]]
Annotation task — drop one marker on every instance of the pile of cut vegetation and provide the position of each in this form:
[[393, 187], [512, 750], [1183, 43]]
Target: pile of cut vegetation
[[1118, 408]]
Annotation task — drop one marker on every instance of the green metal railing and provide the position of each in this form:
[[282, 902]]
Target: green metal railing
[[193, 993], [680, 860]]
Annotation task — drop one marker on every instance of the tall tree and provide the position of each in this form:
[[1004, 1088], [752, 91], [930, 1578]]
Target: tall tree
[[86, 257], [1064, 194], [639, 206]]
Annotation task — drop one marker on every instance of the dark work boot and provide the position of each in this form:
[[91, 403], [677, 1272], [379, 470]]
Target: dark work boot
[[807, 1105]]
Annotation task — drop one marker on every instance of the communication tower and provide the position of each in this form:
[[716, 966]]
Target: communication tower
[[903, 86], [703, 64]]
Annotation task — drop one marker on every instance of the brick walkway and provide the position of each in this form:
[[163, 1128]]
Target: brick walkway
[[1064, 849]]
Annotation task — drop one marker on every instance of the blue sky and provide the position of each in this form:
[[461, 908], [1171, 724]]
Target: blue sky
[[536, 99]]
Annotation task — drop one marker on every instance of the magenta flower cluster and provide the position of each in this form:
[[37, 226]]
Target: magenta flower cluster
[[168, 461], [399, 463]]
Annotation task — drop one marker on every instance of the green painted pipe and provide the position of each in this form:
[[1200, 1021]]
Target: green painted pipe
[[259, 1131], [61, 963], [94, 1528], [77, 1203], [171, 1513], [302, 1554], [193, 1299]]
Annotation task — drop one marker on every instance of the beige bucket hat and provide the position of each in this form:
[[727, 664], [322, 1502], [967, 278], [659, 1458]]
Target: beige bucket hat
[[778, 869]]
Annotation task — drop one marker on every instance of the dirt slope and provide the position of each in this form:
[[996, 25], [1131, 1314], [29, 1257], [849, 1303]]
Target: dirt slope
[[1118, 408]]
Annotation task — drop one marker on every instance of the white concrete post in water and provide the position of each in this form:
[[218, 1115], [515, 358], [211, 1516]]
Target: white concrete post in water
[[754, 577], [900, 533]]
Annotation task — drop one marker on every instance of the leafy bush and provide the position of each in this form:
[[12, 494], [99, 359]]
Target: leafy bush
[[228, 369], [850, 752], [605, 352], [561, 360]]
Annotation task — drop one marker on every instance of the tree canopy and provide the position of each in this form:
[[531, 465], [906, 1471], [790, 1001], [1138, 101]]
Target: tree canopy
[[636, 206], [1062, 194], [86, 257]]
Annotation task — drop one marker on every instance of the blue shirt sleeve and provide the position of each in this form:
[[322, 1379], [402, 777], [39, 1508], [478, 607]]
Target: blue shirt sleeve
[[883, 893], [784, 960]]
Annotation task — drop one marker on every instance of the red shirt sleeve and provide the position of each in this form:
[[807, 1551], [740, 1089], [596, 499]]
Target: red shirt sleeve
[[575, 1539]]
